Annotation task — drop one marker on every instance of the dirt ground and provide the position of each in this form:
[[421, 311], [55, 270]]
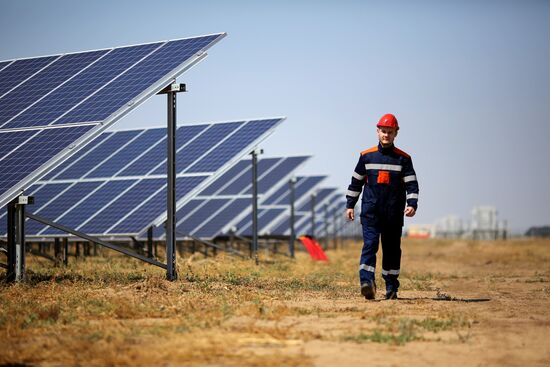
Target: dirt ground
[[461, 304]]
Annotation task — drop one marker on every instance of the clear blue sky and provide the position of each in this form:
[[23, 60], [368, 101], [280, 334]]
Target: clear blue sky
[[468, 80]]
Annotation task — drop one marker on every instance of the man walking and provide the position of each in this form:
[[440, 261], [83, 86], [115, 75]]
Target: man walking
[[390, 191]]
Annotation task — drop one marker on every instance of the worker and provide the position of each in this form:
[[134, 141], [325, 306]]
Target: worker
[[386, 176]]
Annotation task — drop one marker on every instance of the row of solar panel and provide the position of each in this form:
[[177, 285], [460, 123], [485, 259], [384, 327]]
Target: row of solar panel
[[87, 86], [76, 195], [51, 106]]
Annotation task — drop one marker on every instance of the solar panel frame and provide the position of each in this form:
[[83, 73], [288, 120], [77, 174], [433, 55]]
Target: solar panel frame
[[94, 132]]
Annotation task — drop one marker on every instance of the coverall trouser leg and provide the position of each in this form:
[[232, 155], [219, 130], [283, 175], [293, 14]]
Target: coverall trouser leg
[[391, 257]]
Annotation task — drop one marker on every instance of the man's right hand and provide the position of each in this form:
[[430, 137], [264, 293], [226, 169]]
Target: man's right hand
[[350, 214]]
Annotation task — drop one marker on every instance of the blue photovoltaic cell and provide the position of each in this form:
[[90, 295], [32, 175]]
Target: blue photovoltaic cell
[[83, 85], [321, 195], [302, 186], [137, 79], [265, 217], [92, 204], [284, 226], [244, 181], [77, 156], [11, 140], [128, 153], [20, 70], [41, 84], [234, 144], [101, 152], [158, 153], [200, 216], [233, 172], [281, 195], [4, 64], [129, 200], [219, 220], [64, 202], [198, 147], [28, 158], [137, 221], [288, 165]]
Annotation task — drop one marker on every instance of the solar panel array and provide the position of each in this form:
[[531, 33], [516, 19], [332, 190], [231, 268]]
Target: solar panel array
[[276, 207], [229, 199], [302, 220], [52, 106], [116, 185], [325, 197]]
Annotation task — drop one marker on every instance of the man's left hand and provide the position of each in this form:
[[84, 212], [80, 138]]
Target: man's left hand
[[410, 211]]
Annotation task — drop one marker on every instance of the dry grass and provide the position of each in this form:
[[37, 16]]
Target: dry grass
[[117, 311]]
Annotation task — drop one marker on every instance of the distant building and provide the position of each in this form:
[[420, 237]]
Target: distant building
[[538, 231], [419, 230], [450, 226]]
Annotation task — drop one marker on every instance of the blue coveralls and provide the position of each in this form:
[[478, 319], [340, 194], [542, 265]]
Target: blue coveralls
[[389, 181]]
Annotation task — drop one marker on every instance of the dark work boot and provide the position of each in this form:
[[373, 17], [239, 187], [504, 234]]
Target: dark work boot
[[391, 295], [368, 290]]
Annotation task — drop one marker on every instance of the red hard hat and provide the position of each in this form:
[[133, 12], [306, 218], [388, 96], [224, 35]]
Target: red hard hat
[[388, 120]]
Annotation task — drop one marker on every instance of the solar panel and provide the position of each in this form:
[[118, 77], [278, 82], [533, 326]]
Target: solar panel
[[95, 193], [232, 193], [277, 206], [325, 196], [52, 106]]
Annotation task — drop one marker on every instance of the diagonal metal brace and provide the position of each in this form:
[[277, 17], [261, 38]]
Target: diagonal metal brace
[[95, 240], [210, 244]]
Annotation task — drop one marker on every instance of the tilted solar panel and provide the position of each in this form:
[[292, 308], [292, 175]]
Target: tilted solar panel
[[52, 106], [277, 206], [235, 191], [95, 193]]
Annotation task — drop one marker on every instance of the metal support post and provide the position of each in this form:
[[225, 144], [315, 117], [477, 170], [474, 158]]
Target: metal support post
[[171, 92], [16, 238], [255, 154], [313, 196], [10, 275], [150, 242], [334, 230], [325, 222], [292, 240], [65, 251]]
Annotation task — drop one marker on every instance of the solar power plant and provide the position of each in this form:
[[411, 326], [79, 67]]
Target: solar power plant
[[276, 207], [228, 200], [327, 220], [322, 196], [116, 185], [52, 106], [302, 212]]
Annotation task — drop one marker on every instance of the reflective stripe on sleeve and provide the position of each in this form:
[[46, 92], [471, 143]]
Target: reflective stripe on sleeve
[[353, 194], [357, 176], [390, 272], [409, 178], [412, 196], [386, 167], [367, 268]]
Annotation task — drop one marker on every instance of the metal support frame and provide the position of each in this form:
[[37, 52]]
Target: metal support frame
[[95, 239], [313, 197], [292, 239], [255, 154], [171, 91], [16, 238]]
